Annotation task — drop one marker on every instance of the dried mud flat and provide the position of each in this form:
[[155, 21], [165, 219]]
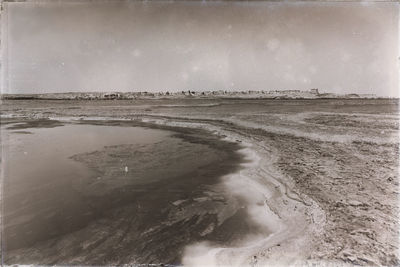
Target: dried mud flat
[[331, 167]]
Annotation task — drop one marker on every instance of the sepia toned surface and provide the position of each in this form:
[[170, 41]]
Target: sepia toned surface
[[130, 46], [199, 133], [320, 175]]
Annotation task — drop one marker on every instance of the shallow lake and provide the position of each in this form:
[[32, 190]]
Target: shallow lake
[[78, 193]]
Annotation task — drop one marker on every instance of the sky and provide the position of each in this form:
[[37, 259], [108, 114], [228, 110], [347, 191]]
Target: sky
[[189, 45]]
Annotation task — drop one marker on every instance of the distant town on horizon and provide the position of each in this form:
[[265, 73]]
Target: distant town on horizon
[[245, 94]]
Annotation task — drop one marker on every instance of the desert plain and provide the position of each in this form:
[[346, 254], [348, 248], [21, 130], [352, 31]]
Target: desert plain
[[294, 182]]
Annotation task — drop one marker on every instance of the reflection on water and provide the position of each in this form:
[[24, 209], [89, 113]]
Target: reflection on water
[[96, 194], [40, 199], [43, 156]]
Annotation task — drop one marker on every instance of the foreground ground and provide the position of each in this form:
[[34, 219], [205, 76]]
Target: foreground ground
[[331, 165]]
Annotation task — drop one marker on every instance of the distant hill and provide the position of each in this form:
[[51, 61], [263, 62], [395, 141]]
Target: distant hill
[[249, 94]]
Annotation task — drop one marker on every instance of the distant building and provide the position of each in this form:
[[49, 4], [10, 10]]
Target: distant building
[[111, 96], [314, 91]]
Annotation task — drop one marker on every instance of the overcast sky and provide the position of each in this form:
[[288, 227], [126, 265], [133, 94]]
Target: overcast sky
[[153, 46]]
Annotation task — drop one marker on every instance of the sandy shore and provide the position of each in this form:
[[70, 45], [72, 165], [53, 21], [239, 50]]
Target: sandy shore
[[321, 176]]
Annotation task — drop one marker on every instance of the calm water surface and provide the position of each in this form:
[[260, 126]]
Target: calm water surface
[[98, 194]]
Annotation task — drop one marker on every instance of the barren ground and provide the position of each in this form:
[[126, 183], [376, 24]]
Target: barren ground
[[341, 155]]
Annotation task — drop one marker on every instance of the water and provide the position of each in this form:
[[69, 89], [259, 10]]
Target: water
[[100, 194], [41, 176], [133, 221]]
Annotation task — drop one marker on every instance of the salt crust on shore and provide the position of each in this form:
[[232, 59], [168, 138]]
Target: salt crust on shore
[[294, 219], [299, 224]]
